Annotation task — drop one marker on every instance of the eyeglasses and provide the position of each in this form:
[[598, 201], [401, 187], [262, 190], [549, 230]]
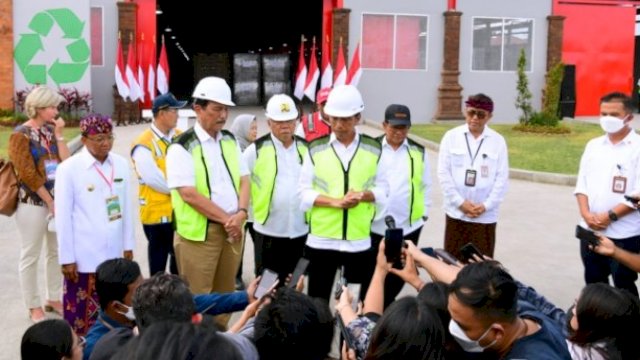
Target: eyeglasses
[[481, 114], [101, 139]]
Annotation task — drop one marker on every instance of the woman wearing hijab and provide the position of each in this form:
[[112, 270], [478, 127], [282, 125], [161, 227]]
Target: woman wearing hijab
[[245, 129], [36, 148]]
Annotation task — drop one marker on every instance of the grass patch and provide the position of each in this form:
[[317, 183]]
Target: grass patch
[[555, 153], [5, 132]]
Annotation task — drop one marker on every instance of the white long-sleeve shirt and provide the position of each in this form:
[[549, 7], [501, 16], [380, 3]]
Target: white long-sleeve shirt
[[308, 196], [285, 220], [455, 159], [86, 236], [397, 166], [147, 168], [600, 162]]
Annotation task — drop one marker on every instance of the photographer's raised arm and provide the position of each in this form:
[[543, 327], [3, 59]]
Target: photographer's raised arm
[[626, 258], [438, 270]]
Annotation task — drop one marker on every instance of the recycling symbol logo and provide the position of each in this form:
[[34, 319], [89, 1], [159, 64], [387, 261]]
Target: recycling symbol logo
[[31, 43]]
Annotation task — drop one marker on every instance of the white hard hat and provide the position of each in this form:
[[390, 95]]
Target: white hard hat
[[281, 108], [344, 101], [214, 89]]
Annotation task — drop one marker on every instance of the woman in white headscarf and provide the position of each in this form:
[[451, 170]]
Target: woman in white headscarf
[[245, 129]]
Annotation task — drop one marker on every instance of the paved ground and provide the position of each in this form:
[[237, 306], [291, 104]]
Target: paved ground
[[534, 241]]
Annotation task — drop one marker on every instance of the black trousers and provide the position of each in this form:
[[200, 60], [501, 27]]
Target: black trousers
[[257, 251], [458, 233], [281, 254], [392, 284], [597, 268], [160, 248], [323, 265]]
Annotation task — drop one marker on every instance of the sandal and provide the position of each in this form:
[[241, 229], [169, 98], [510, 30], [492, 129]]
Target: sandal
[[54, 306]]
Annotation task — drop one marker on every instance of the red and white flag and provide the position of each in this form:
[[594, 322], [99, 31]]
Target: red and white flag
[[151, 73], [121, 79], [341, 69], [327, 71], [355, 72], [141, 66], [314, 73], [163, 70], [301, 74], [134, 87]]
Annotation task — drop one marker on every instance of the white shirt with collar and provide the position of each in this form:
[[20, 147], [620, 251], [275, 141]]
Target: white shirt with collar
[[147, 168], [600, 162], [181, 172], [455, 159], [308, 196], [285, 217], [85, 234], [397, 166]]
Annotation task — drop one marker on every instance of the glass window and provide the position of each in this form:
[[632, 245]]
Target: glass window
[[497, 43], [394, 41], [96, 36]]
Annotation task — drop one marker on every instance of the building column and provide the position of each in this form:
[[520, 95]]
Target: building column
[[126, 110], [555, 33], [449, 90], [340, 30], [6, 54]]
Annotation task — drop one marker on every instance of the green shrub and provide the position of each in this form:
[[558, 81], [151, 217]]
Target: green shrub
[[543, 129], [523, 101]]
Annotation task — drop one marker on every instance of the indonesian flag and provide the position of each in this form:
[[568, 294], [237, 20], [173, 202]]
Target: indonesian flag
[[355, 72], [151, 73], [134, 87], [327, 71], [121, 80], [314, 74], [301, 74], [163, 70], [341, 69], [140, 79]]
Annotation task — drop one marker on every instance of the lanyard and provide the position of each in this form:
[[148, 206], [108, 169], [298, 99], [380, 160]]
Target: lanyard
[[109, 182], [473, 158]]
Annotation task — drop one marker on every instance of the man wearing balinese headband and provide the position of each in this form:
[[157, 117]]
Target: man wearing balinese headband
[[93, 218], [608, 171], [473, 169]]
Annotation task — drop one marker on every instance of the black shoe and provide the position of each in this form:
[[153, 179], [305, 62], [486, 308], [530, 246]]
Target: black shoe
[[239, 285]]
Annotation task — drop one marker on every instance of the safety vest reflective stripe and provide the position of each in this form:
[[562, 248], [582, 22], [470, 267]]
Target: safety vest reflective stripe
[[416, 166]]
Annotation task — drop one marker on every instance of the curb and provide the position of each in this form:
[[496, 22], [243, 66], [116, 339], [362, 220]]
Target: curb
[[518, 174]]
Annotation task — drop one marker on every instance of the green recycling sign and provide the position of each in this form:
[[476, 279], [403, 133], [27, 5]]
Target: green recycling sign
[[62, 71]]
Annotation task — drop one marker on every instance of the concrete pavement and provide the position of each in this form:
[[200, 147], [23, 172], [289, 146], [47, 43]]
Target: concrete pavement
[[534, 240]]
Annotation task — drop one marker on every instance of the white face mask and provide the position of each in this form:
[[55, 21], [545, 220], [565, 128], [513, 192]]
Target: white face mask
[[611, 124], [129, 313], [467, 344]]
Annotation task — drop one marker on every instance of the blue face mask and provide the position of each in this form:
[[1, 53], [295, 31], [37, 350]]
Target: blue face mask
[[467, 344]]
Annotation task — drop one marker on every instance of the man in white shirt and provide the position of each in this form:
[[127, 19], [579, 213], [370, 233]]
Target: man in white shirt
[[609, 170], [473, 169], [149, 153], [209, 185], [275, 161], [409, 175], [343, 188], [93, 217]]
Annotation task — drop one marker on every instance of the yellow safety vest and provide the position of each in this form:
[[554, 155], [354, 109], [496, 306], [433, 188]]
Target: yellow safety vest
[[190, 224], [155, 207], [332, 180], [265, 171]]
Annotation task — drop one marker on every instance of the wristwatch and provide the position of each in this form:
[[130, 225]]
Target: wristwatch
[[612, 216], [243, 209]]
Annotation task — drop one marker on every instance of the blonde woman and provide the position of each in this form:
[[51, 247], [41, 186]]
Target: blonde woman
[[36, 148]]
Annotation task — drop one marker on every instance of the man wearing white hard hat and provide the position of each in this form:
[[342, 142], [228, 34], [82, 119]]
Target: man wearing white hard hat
[[275, 161], [342, 188], [209, 183]]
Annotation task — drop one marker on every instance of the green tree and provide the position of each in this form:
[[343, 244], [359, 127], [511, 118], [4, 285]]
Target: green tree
[[523, 101]]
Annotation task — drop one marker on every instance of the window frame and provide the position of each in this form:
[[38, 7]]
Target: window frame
[[395, 25], [502, 70]]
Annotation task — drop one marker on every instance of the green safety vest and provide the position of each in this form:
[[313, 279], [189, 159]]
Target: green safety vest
[[265, 171], [416, 168], [190, 224], [332, 180]]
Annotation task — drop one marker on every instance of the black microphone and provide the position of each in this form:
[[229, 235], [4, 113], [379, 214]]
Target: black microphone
[[390, 221]]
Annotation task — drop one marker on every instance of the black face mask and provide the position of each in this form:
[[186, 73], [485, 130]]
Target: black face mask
[[569, 318]]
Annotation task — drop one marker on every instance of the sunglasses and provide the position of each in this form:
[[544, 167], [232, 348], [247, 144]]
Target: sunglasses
[[481, 114]]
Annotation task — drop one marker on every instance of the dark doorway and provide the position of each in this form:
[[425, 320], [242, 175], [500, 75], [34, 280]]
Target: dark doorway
[[260, 27]]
